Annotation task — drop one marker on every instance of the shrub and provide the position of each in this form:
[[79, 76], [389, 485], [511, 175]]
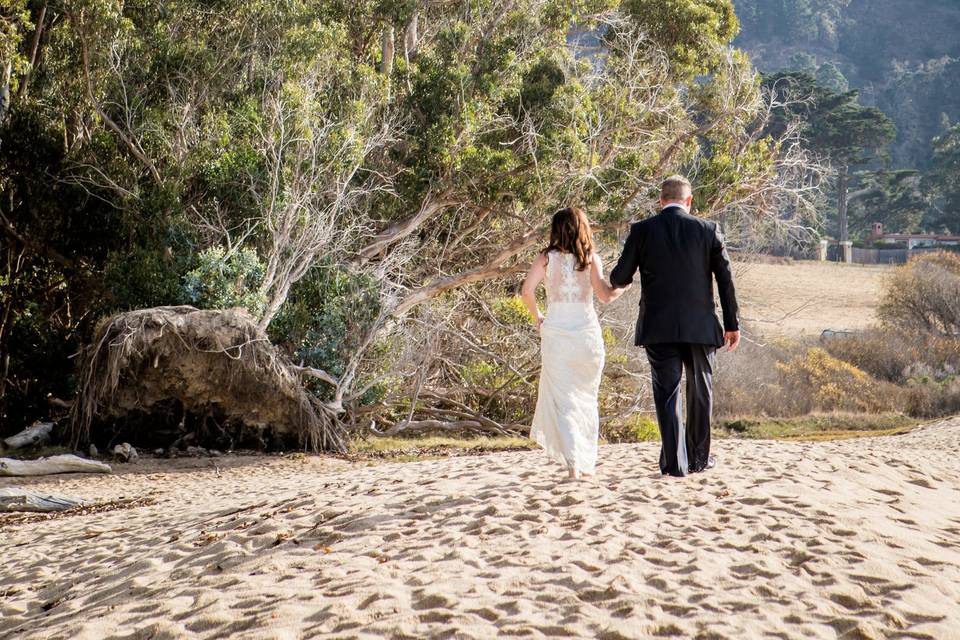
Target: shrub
[[225, 280], [637, 428], [326, 319], [511, 311], [924, 294], [748, 382], [896, 356], [481, 373], [817, 381], [926, 398]]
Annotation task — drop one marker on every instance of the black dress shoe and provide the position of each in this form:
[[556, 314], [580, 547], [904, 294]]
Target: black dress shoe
[[709, 464]]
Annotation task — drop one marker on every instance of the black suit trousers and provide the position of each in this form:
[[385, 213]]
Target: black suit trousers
[[684, 446]]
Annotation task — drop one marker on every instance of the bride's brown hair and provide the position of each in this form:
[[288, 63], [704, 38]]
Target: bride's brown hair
[[570, 232]]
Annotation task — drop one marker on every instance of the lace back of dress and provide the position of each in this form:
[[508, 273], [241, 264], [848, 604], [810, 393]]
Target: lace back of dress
[[564, 282]]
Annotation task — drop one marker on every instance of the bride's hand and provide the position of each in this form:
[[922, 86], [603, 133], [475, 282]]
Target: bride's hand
[[539, 320]]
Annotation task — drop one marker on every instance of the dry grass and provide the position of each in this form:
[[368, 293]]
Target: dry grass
[[413, 448], [806, 297], [817, 426], [793, 299], [642, 428]]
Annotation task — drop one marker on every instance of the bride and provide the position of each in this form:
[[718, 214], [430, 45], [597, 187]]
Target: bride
[[566, 422]]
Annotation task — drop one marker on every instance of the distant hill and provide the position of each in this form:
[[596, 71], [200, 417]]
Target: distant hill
[[903, 56]]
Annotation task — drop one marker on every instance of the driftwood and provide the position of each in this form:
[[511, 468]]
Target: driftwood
[[125, 453], [21, 500], [54, 464], [36, 434]]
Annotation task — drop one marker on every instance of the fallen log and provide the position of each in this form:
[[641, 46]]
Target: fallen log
[[12, 500], [67, 463], [36, 434]]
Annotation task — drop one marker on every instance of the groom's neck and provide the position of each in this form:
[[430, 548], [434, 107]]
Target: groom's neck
[[666, 205]]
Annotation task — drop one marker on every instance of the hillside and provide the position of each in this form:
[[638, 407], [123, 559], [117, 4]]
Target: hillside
[[904, 57]]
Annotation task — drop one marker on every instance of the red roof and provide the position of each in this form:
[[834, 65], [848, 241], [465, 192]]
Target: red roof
[[918, 236]]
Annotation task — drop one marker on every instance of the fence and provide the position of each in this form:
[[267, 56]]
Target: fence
[[881, 256]]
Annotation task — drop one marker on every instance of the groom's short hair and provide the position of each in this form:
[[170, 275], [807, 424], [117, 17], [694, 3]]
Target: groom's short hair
[[674, 188]]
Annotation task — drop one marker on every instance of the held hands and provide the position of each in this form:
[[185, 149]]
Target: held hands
[[731, 339]]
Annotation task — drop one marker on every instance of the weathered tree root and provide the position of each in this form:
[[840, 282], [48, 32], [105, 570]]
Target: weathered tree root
[[203, 359]]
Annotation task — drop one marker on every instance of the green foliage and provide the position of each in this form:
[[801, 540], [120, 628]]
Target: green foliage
[[481, 373], [847, 132], [819, 426], [326, 317], [894, 198], [78, 253], [873, 46], [691, 31], [14, 24], [943, 180], [511, 311], [835, 126], [923, 100], [792, 21], [727, 172], [803, 62], [637, 428], [223, 280], [419, 448], [149, 138], [830, 77]]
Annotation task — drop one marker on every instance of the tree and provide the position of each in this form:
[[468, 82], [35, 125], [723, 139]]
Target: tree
[[943, 179], [14, 25], [836, 126], [852, 136], [895, 198], [687, 30], [361, 174], [830, 77], [803, 62]]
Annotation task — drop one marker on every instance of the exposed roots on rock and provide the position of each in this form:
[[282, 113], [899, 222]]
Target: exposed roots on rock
[[205, 360]]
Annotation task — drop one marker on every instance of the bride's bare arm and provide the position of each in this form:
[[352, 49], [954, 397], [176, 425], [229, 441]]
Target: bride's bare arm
[[538, 269], [601, 287]]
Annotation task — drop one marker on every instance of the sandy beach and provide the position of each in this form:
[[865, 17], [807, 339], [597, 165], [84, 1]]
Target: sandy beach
[[844, 539]]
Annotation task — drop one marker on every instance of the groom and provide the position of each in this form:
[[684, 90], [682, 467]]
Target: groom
[[678, 255]]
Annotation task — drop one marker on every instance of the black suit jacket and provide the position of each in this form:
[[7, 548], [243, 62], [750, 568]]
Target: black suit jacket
[[678, 255]]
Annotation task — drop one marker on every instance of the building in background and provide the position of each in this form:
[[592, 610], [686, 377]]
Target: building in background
[[912, 240]]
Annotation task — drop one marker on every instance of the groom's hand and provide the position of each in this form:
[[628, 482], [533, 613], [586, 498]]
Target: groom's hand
[[731, 339]]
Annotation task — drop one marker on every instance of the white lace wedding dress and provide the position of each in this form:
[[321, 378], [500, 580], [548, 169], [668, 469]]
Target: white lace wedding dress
[[566, 422]]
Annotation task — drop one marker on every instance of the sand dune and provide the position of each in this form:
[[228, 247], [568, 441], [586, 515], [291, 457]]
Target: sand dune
[[852, 539]]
